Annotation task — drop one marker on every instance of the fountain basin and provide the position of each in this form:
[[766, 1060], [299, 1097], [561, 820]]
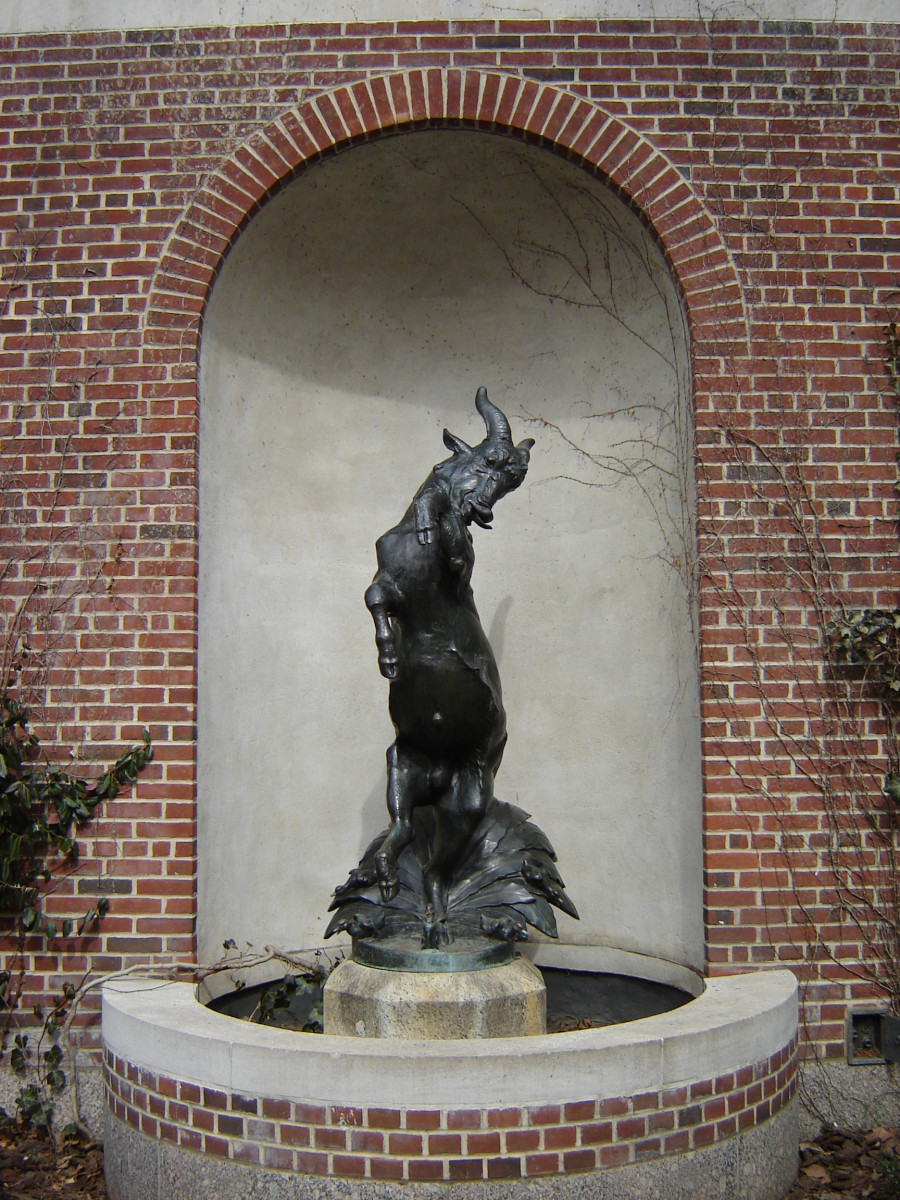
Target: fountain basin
[[694, 1102]]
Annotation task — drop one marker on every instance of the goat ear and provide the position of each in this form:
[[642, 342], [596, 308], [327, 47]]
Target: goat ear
[[457, 445], [525, 445]]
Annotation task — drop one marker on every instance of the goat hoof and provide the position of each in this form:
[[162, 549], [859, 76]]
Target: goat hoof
[[388, 883]]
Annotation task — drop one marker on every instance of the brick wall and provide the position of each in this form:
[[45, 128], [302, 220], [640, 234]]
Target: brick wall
[[765, 158], [432, 1145]]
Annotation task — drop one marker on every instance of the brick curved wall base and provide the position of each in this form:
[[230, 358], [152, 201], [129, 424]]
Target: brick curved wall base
[[759, 1164], [196, 1140]]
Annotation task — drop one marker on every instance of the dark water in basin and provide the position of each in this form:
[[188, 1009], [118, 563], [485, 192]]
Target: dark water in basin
[[575, 1000]]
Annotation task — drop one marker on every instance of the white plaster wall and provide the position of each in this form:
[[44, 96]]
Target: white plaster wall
[[45, 15], [355, 317]]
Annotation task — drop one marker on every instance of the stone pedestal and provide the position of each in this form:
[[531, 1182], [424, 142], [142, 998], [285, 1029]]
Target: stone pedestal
[[497, 1002]]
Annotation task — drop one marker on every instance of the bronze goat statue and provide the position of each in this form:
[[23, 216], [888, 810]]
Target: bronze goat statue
[[445, 699], [475, 865]]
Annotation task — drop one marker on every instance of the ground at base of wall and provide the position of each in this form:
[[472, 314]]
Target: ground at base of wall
[[32, 1168], [864, 1164]]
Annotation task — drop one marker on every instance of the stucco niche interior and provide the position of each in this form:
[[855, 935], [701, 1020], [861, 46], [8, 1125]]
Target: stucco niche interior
[[354, 318]]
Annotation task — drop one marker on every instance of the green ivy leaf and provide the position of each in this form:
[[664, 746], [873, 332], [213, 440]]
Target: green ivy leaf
[[39, 804]]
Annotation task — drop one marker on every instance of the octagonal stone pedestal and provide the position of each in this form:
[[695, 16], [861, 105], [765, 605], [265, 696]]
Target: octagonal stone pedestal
[[498, 1002]]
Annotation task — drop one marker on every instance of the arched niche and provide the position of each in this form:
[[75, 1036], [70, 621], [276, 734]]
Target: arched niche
[[355, 317]]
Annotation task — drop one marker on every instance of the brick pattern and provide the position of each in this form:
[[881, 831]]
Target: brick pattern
[[476, 99], [431, 1145], [764, 157]]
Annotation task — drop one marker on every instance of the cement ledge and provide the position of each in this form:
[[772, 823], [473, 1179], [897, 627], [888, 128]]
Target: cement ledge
[[738, 1020], [129, 14]]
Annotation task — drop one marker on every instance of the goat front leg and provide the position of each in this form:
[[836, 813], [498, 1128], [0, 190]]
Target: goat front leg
[[377, 604]]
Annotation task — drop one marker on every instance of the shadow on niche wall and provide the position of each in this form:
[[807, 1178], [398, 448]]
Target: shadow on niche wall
[[352, 321]]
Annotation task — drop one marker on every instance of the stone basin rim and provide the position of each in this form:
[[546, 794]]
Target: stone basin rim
[[740, 1019]]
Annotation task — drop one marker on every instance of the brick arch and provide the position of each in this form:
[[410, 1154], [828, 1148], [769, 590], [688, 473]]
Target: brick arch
[[422, 98]]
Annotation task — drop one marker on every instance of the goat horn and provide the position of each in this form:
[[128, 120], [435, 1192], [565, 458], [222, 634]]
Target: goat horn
[[496, 422]]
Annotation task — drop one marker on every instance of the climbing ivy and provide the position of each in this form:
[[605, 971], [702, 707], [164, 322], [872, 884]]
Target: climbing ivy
[[40, 807], [871, 640], [892, 354]]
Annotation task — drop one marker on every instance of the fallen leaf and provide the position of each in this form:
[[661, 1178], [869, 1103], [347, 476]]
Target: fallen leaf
[[817, 1171]]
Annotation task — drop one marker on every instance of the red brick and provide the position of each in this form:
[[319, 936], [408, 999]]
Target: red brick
[[542, 1164], [561, 1137], [330, 1139], [343, 1114], [628, 1128], [504, 1168], [445, 1143], [464, 1118], [418, 108], [388, 1168], [366, 1141], [504, 1118], [294, 1135], [404, 1143], [465, 1168], [597, 1134], [547, 1114], [580, 1110], [482, 1143], [423, 1119], [614, 1156], [520, 1140], [425, 1170], [704, 1135], [349, 1165], [309, 1163], [383, 1118], [400, 98], [660, 1121], [308, 1114], [579, 1160]]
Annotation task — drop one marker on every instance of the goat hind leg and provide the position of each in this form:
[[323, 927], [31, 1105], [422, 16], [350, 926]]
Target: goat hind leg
[[407, 786], [457, 817]]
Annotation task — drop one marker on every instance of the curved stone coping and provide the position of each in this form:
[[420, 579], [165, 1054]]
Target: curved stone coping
[[612, 960], [741, 1019]]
